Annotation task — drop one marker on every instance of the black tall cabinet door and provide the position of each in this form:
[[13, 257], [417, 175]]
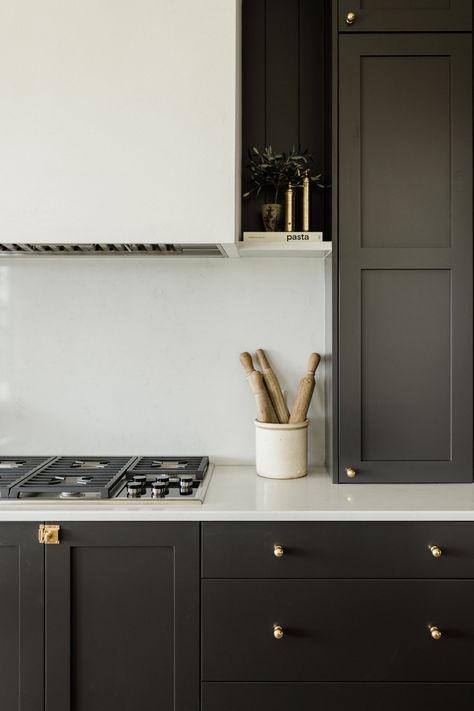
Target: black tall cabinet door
[[122, 617], [404, 15], [21, 618], [405, 258]]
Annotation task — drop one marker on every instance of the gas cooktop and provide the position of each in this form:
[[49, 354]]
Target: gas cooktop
[[154, 479]]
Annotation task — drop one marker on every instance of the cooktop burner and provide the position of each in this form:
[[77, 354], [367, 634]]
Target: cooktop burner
[[173, 466], [79, 477], [14, 469], [153, 479]]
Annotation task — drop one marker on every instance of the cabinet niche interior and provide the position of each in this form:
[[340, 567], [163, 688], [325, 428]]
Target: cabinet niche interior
[[286, 95]]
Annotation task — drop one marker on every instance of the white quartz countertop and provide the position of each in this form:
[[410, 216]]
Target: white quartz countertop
[[236, 493]]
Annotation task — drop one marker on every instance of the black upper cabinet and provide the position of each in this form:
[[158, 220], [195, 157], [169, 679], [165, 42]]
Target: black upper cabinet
[[21, 618], [122, 617], [405, 257], [404, 15]]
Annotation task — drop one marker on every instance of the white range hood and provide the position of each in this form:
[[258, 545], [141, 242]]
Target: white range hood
[[118, 125]]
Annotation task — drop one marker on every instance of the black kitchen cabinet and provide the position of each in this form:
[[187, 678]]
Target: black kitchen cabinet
[[404, 15], [121, 603], [293, 621], [122, 617], [21, 618], [405, 257]]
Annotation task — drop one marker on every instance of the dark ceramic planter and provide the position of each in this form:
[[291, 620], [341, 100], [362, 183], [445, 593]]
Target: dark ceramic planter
[[272, 214]]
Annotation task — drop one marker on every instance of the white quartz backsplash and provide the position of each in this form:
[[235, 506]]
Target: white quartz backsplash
[[140, 356]]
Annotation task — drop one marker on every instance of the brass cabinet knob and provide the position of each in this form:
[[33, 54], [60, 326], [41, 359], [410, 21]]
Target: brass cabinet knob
[[350, 18], [350, 472], [278, 631], [436, 551], [278, 551], [435, 632]]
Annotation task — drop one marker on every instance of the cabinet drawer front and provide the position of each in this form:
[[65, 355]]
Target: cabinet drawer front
[[337, 697], [337, 630], [405, 15], [338, 550]]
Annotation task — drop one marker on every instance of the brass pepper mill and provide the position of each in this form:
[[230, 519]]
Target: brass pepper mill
[[305, 204], [289, 209]]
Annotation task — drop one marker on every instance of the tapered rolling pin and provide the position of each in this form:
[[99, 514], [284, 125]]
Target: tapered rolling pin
[[265, 411], [305, 391], [273, 387]]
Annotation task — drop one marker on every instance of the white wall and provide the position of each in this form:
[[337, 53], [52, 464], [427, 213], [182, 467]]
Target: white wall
[[140, 356]]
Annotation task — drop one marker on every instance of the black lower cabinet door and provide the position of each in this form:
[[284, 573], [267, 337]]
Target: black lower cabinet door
[[122, 617], [337, 697], [21, 618], [338, 630]]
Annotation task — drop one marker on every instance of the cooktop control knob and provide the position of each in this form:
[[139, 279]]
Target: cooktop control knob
[[141, 479], [186, 485], [159, 489], [164, 479], [134, 489]]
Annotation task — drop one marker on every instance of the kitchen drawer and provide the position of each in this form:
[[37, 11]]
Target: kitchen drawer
[[337, 630], [336, 697], [405, 16], [337, 550]]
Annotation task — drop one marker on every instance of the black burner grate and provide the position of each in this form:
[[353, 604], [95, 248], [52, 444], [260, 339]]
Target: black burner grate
[[172, 466], [14, 469], [75, 475]]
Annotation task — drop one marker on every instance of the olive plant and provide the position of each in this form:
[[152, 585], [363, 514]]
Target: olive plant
[[275, 170]]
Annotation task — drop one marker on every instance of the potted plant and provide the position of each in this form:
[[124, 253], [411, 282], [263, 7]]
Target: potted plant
[[269, 170]]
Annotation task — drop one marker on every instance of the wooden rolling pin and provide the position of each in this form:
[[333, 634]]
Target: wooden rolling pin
[[305, 391], [265, 411], [273, 387]]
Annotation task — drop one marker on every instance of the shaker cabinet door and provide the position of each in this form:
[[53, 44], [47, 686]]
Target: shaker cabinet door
[[405, 15], [405, 259], [122, 617], [21, 618]]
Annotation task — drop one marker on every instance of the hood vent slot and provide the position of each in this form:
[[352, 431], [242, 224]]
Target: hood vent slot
[[110, 250]]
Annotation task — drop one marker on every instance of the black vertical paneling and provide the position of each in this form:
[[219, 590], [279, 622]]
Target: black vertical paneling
[[313, 95], [330, 72], [285, 90], [253, 96], [282, 74]]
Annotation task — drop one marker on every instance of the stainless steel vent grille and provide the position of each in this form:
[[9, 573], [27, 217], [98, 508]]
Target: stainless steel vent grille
[[158, 250]]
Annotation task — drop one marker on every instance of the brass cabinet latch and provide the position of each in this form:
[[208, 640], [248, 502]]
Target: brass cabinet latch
[[48, 533]]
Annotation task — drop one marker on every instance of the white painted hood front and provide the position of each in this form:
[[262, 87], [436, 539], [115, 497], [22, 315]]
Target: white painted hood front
[[118, 126]]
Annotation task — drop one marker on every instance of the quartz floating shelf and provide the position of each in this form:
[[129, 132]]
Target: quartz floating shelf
[[284, 244]]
